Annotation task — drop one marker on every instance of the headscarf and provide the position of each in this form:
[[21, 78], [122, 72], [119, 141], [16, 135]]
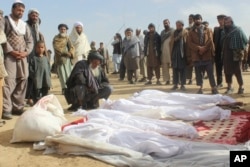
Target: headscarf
[[80, 42]]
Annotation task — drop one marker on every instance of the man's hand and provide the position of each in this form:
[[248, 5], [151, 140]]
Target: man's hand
[[19, 55]]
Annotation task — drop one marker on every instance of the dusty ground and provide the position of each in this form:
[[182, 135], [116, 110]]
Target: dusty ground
[[22, 154]]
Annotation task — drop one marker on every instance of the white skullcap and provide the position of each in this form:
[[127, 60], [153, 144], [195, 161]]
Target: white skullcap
[[18, 1], [78, 24], [33, 10]]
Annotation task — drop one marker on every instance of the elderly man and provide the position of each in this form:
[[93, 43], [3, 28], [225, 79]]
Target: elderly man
[[234, 44], [33, 23], [178, 55], [87, 83], [3, 72], [152, 49], [64, 53], [19, 45], [200, 42], [165, 50], [131, 52], [80, 43], [189, 67]]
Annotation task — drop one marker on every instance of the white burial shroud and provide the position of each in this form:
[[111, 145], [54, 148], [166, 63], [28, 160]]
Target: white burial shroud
[[172, 128], [123, 135], [160, 98], [186, 112]]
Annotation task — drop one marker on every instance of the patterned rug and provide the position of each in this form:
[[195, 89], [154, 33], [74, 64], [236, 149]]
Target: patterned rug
[[232, 131]]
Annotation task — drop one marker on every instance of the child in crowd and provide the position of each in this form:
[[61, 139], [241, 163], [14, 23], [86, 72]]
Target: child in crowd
[[40, 71]]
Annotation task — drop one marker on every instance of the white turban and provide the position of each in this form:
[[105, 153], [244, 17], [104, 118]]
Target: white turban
[[33, 10], [78, 24]]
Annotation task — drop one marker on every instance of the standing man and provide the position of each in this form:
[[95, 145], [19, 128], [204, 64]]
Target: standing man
[[3, 72], [165, 49], [64, 52], [189, 67], [117, 54], [152, 49], [18, 46], [178, 55], [143, 59], [33, 23], [104, 52], [80, 43], [234, 44], [218, 59], [200, 42], [131, 52]]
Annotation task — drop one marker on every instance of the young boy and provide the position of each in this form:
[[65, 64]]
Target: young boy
[[40, 71]]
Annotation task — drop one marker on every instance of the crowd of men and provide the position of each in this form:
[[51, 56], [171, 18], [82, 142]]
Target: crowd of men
[[183, 49], [82, 68]]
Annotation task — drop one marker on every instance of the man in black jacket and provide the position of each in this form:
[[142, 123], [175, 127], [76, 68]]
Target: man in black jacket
[[152, 49], [87, 83]]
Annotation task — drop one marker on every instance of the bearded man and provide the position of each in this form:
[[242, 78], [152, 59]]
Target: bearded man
[[200, 42], [64, 52], [80, 43], [234, 44], [189, 67], [165, 50], [131, 52], [87, 83], [18, 46]]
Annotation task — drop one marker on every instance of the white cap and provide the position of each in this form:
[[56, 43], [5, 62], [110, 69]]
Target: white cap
[[18, 1], [33, 10], [78, 24]]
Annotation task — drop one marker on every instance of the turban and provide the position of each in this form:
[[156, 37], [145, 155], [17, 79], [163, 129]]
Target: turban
[[18, 1], [129, 29], [78, 24], [62, 25], [180, 21], [33, 11], [95, 55], [1, 12]]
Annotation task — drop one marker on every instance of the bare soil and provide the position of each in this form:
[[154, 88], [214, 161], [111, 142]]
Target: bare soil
[[22, 154]]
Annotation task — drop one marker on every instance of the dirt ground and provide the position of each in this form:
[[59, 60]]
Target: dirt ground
[[22, 154]]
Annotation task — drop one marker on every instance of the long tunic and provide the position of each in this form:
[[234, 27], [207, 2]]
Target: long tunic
[[15, 42], [153, 60], [230, 66], [131, 53], [64, 51], [40, 71]]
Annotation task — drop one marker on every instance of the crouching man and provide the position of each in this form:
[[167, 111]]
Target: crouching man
[[87, 83]]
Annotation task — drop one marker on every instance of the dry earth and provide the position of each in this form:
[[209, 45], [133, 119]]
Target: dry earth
[[22, 154]]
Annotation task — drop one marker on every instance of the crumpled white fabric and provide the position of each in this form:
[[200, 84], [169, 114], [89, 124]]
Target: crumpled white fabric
[[123, 135], [187, 112], [160, 98], [172, 128]]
